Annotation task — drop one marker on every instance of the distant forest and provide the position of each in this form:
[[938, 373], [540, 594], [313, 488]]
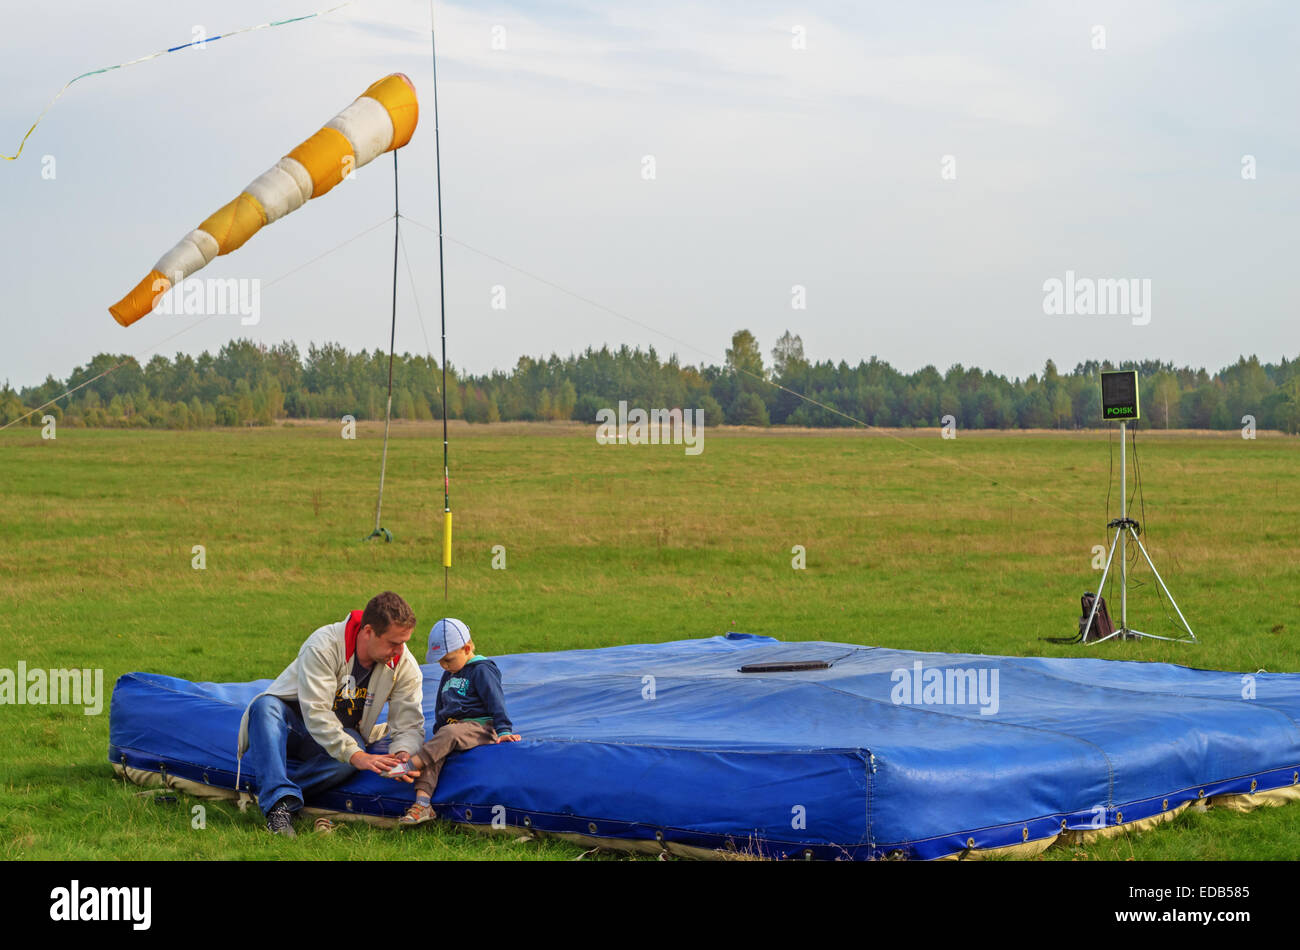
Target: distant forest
[[247, 383]]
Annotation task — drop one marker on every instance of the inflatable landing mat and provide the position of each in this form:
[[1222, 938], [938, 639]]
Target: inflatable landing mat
[[745, 745]]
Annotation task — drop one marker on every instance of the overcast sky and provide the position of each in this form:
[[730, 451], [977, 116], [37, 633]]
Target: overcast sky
[[775, 166]]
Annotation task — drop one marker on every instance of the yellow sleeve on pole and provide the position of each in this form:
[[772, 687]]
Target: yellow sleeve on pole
[[446, 539]]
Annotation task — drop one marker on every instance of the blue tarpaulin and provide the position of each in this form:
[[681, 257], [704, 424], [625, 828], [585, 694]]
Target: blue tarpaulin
[[881, 753]]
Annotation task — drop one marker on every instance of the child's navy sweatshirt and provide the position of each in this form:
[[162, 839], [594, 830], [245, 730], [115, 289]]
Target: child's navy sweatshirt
[[473, 692]]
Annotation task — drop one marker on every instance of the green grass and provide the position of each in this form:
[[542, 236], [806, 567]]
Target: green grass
[[910, 544]]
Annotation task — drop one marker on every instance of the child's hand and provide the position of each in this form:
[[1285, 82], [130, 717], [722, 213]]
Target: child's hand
[[413, 768], [402, 771], [512, 737]]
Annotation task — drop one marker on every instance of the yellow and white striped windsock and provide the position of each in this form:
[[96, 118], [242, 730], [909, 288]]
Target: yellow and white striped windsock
[[382, 118]]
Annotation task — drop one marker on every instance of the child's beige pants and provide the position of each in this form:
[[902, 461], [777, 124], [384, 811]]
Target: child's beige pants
[[453, 737]]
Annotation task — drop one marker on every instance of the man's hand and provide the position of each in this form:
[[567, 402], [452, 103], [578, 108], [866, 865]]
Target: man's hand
[[512, 737], [365, 762]]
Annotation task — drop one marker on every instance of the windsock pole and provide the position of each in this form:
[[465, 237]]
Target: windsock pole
[[381, 532], [442, 302]]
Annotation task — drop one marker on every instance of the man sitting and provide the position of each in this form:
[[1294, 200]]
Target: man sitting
[[322, 710]]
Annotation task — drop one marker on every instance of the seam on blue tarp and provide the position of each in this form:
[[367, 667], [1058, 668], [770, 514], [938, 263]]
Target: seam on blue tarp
[[869, 775], [764, 750]]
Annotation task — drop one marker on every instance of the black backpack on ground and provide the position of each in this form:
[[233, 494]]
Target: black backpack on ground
[[1101, 625]]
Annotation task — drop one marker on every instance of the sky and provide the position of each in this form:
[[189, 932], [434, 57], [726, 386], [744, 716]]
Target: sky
[[902, 181]]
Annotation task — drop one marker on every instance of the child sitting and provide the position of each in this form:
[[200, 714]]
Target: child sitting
[[470, 711]]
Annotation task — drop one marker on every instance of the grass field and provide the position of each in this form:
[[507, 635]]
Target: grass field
[[979, 544]]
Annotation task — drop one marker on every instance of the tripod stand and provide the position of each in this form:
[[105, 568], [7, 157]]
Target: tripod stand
[[1124, 528]]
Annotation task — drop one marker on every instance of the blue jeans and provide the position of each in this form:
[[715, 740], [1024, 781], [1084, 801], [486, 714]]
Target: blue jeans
[[276, 734]]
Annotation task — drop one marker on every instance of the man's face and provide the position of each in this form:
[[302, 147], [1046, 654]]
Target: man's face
[[376, 648], [454, 661]]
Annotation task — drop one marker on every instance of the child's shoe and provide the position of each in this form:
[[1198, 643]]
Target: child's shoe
[[417, 814]]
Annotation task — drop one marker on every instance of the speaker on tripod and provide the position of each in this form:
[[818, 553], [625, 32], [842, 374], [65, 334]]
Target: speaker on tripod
[[1119, 403]]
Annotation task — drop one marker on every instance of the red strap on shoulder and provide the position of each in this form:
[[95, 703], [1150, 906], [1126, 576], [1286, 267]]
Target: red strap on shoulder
[[350, 634]]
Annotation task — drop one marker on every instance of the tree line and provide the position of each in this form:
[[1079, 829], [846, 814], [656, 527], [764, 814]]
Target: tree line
[[248, 383]]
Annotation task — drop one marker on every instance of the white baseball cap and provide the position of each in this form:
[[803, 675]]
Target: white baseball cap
[[447, 636]]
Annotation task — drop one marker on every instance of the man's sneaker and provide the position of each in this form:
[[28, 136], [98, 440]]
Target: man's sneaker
[[279, 820], [417, 814]]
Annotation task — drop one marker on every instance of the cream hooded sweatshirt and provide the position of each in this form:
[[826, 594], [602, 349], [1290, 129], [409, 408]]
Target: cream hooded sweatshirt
[[323, 665]]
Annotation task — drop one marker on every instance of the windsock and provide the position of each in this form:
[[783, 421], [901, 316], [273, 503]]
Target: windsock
[[381, 119]]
